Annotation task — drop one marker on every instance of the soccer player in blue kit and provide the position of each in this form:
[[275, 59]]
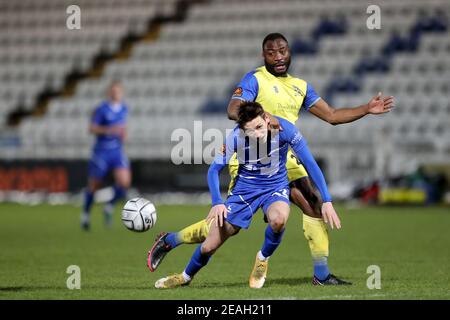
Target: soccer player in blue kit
[[261, 182], [108, 124], [282, 95]]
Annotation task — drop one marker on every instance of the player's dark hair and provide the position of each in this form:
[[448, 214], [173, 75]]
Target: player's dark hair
[[272, 37], [248, 111]]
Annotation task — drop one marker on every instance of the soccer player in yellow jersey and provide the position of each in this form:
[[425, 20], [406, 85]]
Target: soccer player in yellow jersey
[[283, 95]]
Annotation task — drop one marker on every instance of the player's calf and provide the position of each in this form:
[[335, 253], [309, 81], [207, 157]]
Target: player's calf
[[165, 242], [277, 213], [201, 256], [216, 237]]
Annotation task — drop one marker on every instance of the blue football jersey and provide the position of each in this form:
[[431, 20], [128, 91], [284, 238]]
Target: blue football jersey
[[108, 115], [263, 165]]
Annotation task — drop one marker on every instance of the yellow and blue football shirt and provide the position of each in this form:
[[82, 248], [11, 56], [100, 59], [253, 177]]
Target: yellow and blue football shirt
[[280, 96]]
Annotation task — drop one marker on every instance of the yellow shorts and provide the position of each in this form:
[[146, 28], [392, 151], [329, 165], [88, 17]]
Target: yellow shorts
[[294, 168]]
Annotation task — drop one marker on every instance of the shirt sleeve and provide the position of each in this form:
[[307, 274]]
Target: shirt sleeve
[[300, 147], [125, 115], [247, 89], [311, 97], [218, 164], [97, 116]]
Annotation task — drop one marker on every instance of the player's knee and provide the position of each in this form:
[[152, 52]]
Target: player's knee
[[123, 178], [209, 249], [124, 183], [278, 222]]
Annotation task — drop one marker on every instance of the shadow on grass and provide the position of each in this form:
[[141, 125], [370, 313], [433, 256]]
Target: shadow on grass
[[87, 287], [27, 288], [269, 282], [12, 289], [289, 281], [201, 285]]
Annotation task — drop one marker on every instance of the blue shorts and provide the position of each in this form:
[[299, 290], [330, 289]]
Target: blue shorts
[[243, 204], [103, 161]]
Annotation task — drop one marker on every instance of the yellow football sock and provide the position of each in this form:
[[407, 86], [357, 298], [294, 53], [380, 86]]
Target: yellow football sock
[[195, 233], [316, 233]]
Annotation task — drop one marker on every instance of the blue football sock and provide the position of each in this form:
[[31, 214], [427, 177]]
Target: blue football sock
[[198, 261], [88, 200], [173, 240], [119, 193], [271, 241], [321, 268]]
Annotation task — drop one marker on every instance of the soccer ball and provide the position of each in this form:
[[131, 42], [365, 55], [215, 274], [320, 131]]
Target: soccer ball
[[139, 214]]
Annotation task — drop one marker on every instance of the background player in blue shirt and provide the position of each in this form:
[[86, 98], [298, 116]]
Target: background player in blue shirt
[[108, 124], [261, 182]]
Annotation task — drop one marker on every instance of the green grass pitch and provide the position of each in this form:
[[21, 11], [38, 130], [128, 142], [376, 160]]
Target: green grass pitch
[[38, 243]]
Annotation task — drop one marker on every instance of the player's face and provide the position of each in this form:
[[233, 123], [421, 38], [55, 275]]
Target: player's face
[[116, 92], [277, 57], [257, 128]]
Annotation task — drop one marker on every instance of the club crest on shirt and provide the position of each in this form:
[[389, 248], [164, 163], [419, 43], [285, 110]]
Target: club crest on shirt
[[275, 89], [237, 92]]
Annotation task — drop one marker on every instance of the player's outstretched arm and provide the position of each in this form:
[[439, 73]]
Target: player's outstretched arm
[[301, 149], [218, 210], [214, 183], [377, 105]]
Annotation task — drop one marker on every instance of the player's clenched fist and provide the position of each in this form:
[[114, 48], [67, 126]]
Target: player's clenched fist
[[330, 216], [217, 213]]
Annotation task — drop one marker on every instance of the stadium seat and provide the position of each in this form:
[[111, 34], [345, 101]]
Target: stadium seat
[[198, 61]]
